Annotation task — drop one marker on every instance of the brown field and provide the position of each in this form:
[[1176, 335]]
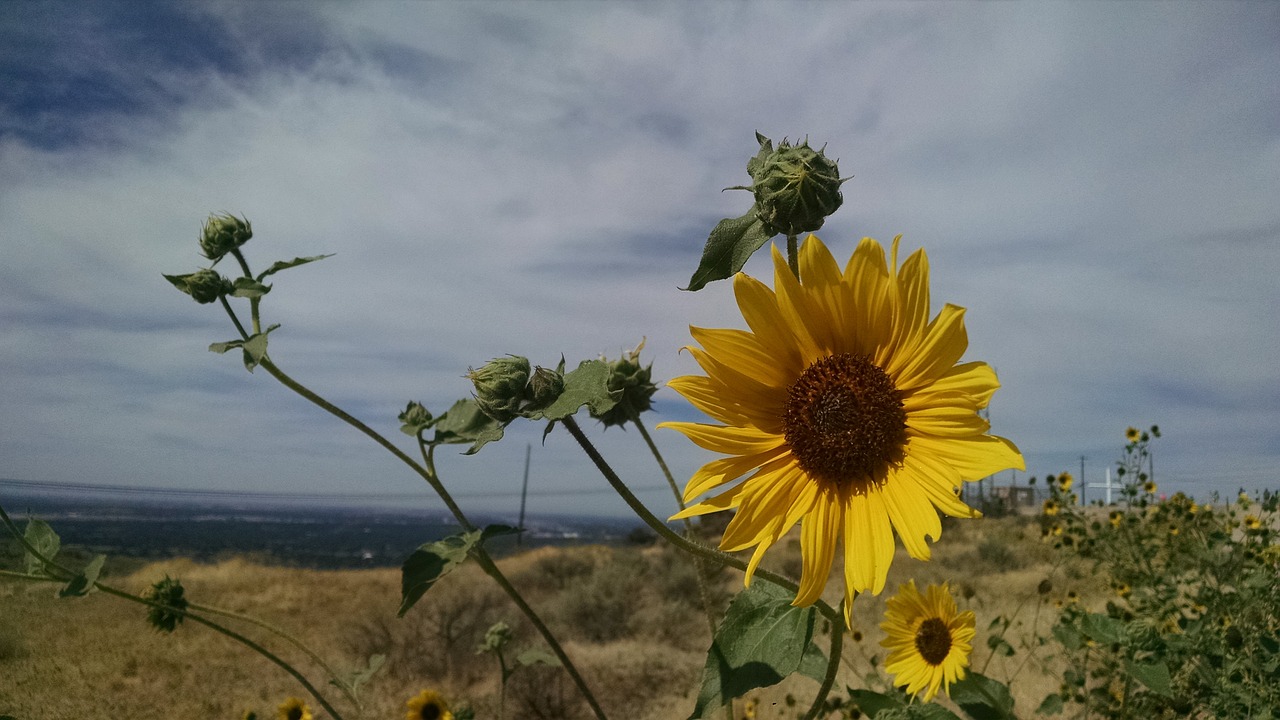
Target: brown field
[[630, 618]]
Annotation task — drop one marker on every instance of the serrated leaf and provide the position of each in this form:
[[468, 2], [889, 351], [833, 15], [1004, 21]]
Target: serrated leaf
[[249, 288], [587, 385], [465, 422], [41, 537], [982, 698], [286, 264], [728, 247], [761, 640], [872, 703], [82, 584], [1052, 705], [1154, 675]]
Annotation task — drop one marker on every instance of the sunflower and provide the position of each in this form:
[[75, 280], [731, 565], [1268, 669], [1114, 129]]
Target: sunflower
[[428, 705], [846, 405], [1132, 434], [928, 639], [293, 709]]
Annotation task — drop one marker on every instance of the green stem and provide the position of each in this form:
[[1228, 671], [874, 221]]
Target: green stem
[[793, 256], [232, 313], [253, 302], [675, 538], [428, 473], [833, 665], [698, 563], [109, 590]]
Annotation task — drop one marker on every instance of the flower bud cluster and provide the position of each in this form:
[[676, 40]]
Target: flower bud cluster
[[507, 388], [167, 592]]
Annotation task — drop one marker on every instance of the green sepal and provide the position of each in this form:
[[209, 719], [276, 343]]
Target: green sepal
[[41, 537], [762, 640], [433, 560], [1154, 675], [587, 385], [465, 422], [82, 583], [248, 288], [286, 264], [982, 698], [728, 247]]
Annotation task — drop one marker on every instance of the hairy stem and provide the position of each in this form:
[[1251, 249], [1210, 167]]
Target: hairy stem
[[833, 666], [793, 256]]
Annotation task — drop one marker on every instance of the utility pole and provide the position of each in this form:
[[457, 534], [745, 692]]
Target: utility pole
[[1082, 502]]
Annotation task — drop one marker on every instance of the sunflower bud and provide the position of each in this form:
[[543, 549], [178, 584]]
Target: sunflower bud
[[632, 384], [415, 419], [166, 592], [795, 186], [544, 387], [501, 387], [204, 286], [222, 234]]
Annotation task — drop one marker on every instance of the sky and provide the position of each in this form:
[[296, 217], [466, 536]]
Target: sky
[[1096, 183]]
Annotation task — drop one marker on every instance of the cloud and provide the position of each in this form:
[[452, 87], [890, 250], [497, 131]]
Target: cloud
[[1094, 183]]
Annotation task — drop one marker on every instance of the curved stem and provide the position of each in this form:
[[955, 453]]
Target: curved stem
[[672, 536], [253, 301], [833, 666], [699, 566], [232, 313], [428, 473]]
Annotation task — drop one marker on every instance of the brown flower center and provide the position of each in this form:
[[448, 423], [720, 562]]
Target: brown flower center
[[933, 640], [844, 420], [430, 711]]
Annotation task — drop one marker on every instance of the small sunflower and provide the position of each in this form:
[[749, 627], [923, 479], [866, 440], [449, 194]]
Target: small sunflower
[[1065, 481], [428, 705], [1132, 434], [847, 410], [928, 639], [1116, 517], [1051, 507], [293, 709], [1252, 522], [1149, 487]]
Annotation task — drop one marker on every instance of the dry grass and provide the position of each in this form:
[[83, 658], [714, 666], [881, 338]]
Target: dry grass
[[630, 618]]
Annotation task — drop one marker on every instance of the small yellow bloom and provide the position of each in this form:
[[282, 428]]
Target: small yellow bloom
[[928, 639], [1065, 480], [293, 709], [749, 712], [1132, 434], [1123, 590], [1116, 518], [1252, 522], [428, 705], [1051, 507], [1149, 487], [1174, 531]]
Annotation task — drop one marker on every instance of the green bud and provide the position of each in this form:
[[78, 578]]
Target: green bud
[[501, 386], [496, 638], [795, 186], [222, 234], [415, 419], [166, 592], [632, 384], [544, 387], [205, 286]]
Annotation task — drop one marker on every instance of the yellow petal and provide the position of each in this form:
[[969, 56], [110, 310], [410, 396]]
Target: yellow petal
[[942, 346], [723, 470], [727, 440], [975, 457], [741, 351], [911, 513], [713, 399], [819, 534], [947, 421], [759, 308], [868, 542], [968, 385]]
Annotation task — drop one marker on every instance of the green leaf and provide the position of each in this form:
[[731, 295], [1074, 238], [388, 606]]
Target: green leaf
[[432, 561], [982, 698], [930, 712], [362, 676], [1154, 675], [873, 703], [587, 385], [728, 247], [249, 288], [1052, 705], [255, 348], [1068, 636], [535, 656], [761, 640], [465, 422], [81, 584], [222, 347], [1100, 628], [41, 537], [999, 645], [285, 265]]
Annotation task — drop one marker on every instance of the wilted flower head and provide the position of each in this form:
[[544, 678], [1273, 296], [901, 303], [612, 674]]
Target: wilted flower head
[[222, 234], [795, 186], [166, 592], [632, 384]]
